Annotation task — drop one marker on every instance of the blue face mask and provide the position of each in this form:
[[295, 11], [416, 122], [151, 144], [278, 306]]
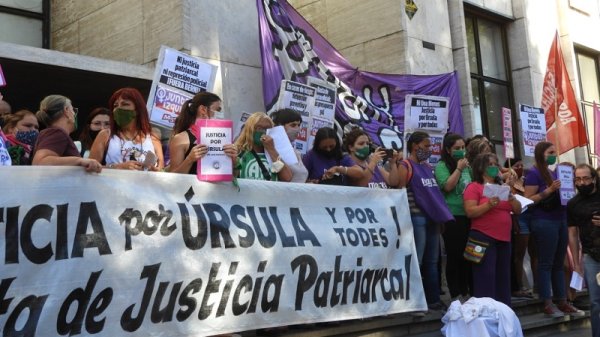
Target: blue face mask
[[27, 137]]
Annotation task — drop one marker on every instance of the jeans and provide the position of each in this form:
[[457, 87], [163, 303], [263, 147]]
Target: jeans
[[458, 270], [591, 267], [551, 238], [427, 243], [491, 277]]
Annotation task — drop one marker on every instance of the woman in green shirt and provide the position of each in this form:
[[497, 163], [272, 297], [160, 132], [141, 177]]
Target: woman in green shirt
[[453, 174]]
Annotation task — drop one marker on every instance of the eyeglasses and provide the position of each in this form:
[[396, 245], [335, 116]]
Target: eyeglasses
[[583, 179], [99, 123], [75, 110]]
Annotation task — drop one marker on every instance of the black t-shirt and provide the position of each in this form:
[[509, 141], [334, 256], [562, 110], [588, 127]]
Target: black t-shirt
[[579, 213]]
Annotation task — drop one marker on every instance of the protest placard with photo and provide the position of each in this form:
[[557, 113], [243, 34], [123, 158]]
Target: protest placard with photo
[[177, 78], [533, 124]]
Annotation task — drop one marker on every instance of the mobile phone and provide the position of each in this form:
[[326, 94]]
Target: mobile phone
[[150, 160], [389, 153]]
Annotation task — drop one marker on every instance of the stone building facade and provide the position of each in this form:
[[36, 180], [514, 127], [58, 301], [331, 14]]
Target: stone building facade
[[498, 48]]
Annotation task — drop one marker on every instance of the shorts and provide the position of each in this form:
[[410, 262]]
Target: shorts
[[525, 223]]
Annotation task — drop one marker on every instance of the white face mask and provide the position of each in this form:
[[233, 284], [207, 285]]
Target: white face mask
[[292, 133], [218, 115]]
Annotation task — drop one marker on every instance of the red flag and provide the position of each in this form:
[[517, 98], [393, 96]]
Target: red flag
[[566, 123]]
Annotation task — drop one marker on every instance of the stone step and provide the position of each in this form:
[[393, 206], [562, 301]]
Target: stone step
[[533, 323]]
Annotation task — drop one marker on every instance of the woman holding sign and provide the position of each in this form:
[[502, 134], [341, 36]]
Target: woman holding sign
[[253, 144], [549, 230], [183, 147], [428, 210], [291, 122], [488, 245], [129, 141]]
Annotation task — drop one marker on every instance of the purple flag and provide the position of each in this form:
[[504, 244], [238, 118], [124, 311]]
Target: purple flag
[[292, 49], [597, 133]]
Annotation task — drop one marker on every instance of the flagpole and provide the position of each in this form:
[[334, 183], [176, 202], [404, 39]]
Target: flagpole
[[557, 139]]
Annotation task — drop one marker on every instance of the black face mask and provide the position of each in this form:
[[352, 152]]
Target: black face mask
[[585, 189], [326, 154], [93, 134]]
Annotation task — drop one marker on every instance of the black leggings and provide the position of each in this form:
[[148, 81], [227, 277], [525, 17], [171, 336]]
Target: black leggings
[[458, 270]]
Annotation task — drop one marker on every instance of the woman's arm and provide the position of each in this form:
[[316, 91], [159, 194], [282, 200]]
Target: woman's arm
[[159, 154], [531, 191], [514, 204], [474, 211], [49, 157], [99, 146], [179, 163]]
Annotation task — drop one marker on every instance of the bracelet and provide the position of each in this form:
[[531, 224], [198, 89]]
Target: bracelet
[[459, 170], [111, 166], [346, 170]]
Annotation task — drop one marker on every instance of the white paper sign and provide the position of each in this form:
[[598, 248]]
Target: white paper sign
[[282, 145], [576, 281], [130, 253], [177, 78], [493, 190], [566, 175], [428, 113], [533, 123]]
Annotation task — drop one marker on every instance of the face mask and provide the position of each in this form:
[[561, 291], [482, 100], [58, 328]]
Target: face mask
[[551, 159], [458, 154], [423, 155], [123, 116], [292, 133], [256, 137], [586, 189], [27, 137], [326, 154], [362, 153], [492, 171], [93, 134]]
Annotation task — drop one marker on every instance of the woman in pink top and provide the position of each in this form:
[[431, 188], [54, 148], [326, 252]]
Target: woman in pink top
[[491, 224]]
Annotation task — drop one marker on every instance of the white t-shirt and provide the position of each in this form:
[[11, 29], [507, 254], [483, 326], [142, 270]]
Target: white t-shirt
[[121, 150]]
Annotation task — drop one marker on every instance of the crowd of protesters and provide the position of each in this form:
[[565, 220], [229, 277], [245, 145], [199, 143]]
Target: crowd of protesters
[[484, 237]]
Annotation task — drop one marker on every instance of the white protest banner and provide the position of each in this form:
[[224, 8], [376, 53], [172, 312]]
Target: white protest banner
[[177, 77], [427, 113], [533, 123], [215, 165], [325, 99], [125, 253], [566, 175], [507, 134], [2, 79]]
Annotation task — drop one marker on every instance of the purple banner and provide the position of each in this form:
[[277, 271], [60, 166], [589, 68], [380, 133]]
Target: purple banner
[[293, 50]]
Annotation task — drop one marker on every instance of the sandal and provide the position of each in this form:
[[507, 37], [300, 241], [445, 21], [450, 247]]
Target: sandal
[[524, 292]]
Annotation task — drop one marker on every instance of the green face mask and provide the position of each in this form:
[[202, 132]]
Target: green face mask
[[492, 171], [256, 137], [458, 154], [551, 159], [123, 116], [363, 153]]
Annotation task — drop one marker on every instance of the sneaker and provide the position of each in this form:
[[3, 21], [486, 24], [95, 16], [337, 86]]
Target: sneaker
[[552, 311], [570, 310]]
